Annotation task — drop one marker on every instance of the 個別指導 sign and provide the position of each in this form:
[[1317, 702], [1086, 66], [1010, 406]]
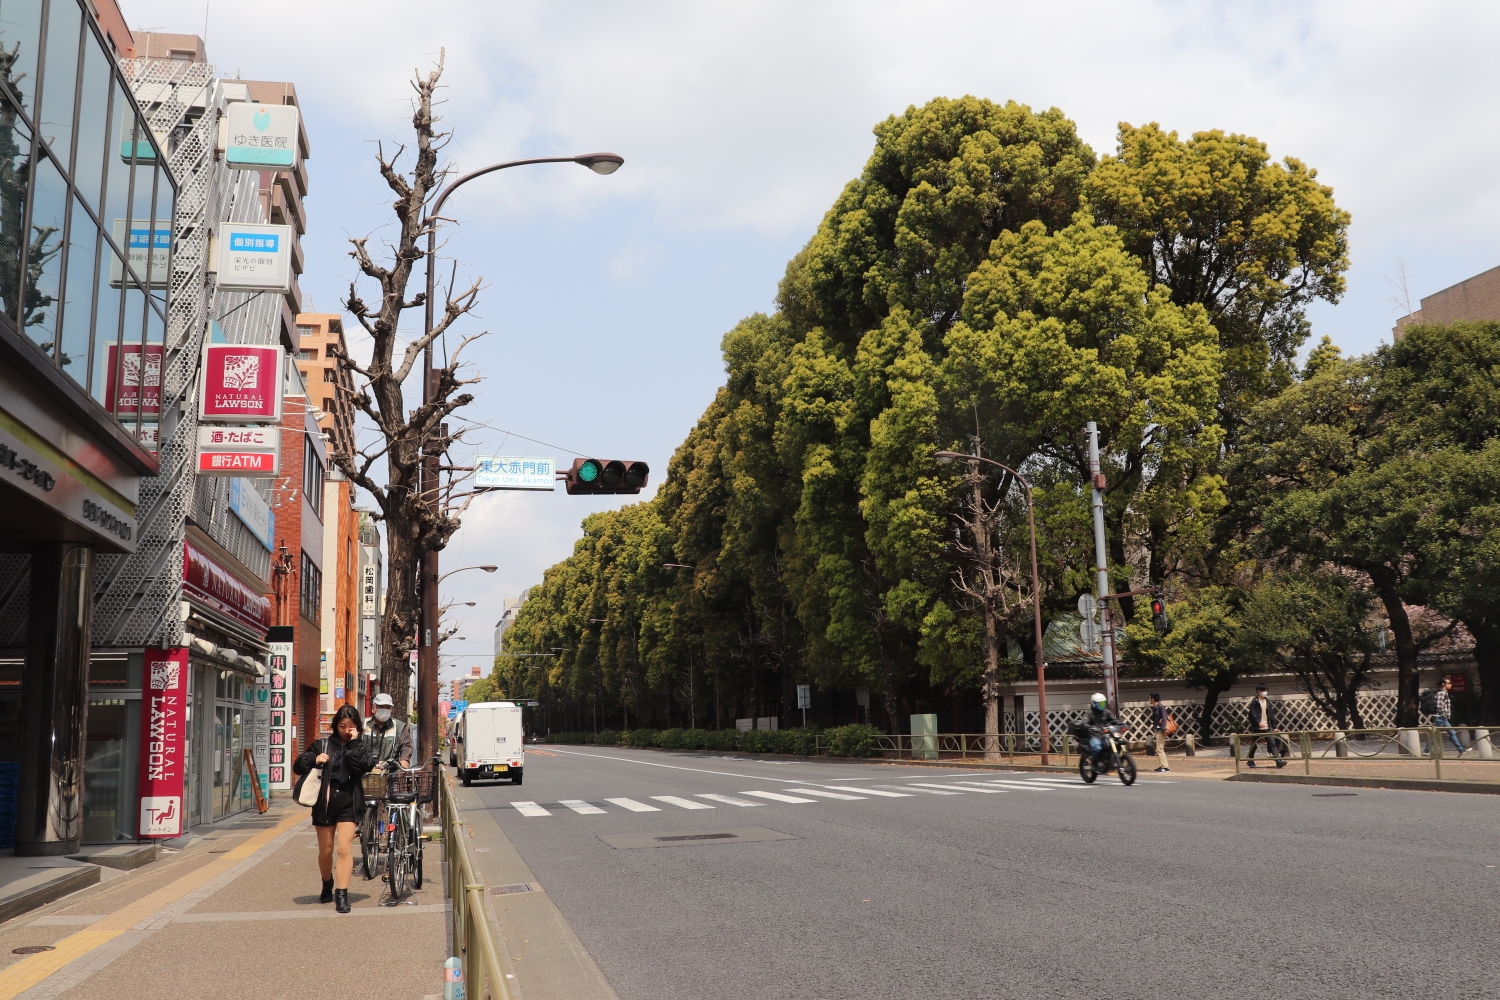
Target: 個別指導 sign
[[254, 256]]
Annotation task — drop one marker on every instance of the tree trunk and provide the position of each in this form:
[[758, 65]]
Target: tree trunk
[[991, 683], [1487, 654], [1408, 679], [1206, 724]]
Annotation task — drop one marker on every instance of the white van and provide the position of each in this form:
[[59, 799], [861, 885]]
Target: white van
[[490, 739]]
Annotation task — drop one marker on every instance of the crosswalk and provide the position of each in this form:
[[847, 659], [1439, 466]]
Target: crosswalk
[[810, 794]]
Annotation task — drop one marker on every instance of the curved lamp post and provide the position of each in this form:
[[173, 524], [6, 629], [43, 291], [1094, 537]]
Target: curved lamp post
[[487, 569], [427, 667], [948, 458]]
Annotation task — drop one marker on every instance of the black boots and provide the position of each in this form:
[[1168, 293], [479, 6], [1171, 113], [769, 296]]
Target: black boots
[[327, 896], [341, 900]]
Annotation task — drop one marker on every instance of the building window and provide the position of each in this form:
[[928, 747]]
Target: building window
[[330, 375], [306, 331], [327, 404], [312, 589], [312, 476], [309, 354]]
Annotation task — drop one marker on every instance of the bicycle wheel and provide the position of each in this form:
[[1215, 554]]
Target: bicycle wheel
[[367, 859], [1127, 769], [396, 867], [416, 868]]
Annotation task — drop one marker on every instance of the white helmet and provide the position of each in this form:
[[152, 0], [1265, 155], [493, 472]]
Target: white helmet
[[1098, 701], [384, 700]]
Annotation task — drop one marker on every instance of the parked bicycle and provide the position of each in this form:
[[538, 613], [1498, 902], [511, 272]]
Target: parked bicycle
[[406, 791]]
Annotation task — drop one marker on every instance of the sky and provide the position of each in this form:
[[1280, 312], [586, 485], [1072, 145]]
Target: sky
[[605, 298]]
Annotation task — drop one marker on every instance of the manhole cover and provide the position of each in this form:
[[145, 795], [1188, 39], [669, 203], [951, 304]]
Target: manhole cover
[[506, 890], [32, 949]]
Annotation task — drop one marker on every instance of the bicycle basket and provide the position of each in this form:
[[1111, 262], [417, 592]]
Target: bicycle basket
[[412, 787], [374, 786]]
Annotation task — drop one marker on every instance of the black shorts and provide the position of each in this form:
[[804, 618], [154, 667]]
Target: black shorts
[[338, 806]]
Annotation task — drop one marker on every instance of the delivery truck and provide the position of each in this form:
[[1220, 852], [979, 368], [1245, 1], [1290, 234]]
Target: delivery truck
[[489, 741]]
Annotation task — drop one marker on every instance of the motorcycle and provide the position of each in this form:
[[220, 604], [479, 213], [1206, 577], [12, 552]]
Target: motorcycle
[[1114, 757]]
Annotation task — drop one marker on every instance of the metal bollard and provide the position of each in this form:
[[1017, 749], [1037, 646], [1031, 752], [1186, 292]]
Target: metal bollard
[[1410, 741], [453, 979], [1192, 745], [1341, 744], [1482, 745]]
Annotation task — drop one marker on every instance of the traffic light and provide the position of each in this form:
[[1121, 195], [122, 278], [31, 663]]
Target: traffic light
[[592, 476], [1159, 614]]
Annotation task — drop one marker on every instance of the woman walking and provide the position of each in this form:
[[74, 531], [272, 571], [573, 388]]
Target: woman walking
[[345, 759]]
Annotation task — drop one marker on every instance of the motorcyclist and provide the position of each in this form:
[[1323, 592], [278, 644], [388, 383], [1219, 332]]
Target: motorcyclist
[[1099, 719], [390, 737]]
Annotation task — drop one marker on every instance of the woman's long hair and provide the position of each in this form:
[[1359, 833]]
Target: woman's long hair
[[352, 714]]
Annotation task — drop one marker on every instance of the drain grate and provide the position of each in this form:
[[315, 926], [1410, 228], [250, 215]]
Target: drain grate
[[506, 890], [702, 836]]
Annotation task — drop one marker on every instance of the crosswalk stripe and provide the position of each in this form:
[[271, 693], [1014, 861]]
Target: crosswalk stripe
[[633, 805], [673, 800], [823, 793], [530, 809], [581, 807], [778, 797], [967, 788], [885, 795], [728, 800], [925, 791], [1010, 784], [1055, 783]]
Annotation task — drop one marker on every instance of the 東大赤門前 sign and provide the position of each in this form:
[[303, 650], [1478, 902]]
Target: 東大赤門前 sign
[[261, 136], [514, 472]]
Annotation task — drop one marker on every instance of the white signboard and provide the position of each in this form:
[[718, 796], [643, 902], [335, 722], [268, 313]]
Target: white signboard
[[367, 587], [247, 504], [280, 751], [261, 136], [146, 243], [804, 696], [239, 451], [512, 472], [255, 256]]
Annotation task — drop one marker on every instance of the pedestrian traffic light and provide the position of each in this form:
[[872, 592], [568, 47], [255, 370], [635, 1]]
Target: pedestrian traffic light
[[1159, 614], [592, 476]]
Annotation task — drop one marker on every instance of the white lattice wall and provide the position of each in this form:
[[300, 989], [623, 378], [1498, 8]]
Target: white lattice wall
[[1296, 712]]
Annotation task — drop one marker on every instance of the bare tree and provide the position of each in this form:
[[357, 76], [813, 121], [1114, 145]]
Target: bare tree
[[419, 517]]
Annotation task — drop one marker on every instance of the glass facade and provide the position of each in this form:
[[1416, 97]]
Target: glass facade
[[85, 211], [112, 762]]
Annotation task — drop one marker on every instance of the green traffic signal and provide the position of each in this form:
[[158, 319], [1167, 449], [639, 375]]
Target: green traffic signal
[[595, 476], [588, 471]]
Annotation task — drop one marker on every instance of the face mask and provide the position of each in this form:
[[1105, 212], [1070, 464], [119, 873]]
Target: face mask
[[383, 714]]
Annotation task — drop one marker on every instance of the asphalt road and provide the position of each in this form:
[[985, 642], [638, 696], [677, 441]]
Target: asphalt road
[[1036, 887]]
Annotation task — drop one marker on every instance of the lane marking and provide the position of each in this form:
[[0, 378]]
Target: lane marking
[[633, 805], [885, 795], [925, 791], [530, 809], [1052, 783], [728, 800], [967, 788], [700, 770], [823, 793], [673, 800], [35, 969], [778, 797], [1006, 785], [581, 807]]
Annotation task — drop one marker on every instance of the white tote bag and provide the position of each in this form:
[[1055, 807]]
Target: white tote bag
[[311, 785]]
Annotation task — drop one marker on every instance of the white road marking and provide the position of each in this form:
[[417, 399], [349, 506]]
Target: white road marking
[[778, 797], [728, 800], [884, 795], [925, 791], [530, 809], [1057, 783], [825, 794], [967, 788], [582, 807], [673, 800], [633, 805], [1007, 785]]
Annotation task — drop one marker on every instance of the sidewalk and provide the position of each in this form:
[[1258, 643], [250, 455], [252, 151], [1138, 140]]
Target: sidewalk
[[232, 916]]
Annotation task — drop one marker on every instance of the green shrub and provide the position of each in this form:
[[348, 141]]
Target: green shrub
[[721, 739], [570, 738], [670, 739], [639, 737], [853, 741], [695, 739], [606, 738]]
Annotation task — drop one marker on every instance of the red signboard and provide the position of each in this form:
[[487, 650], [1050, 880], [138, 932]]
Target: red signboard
[[207, 583], [164, 742], [136, 384], [1460, 683], [237, 463], [241, 384]]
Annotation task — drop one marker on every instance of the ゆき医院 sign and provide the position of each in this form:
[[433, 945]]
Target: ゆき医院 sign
[[261, 136]]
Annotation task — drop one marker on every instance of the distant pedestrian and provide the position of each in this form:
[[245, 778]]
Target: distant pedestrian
[[345, 759], [1442, 712], [1159, 718], [1263, 720]]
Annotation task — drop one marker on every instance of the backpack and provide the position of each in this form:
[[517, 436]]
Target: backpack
[[1429, 704]]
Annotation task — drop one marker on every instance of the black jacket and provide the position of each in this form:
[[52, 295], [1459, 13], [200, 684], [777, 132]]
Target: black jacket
[[1271, 719], [1101, 718], [347, 762], [1159, 717]]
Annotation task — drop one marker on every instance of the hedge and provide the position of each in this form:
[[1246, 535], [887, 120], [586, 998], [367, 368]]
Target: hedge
[[845, 741]]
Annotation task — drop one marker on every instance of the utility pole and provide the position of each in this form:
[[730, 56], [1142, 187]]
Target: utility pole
[[1101, 562]]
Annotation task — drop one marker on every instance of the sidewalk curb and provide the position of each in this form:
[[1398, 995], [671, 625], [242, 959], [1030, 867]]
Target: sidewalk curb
[[52, 889], [1403, 784]]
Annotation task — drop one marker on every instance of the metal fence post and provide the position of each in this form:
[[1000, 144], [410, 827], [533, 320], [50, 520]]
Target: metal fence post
[[1437, 751], [1307, 753], [1234, 747]]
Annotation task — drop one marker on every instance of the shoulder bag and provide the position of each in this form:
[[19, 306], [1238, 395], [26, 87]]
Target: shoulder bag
[[310, 785], [1169, 725]]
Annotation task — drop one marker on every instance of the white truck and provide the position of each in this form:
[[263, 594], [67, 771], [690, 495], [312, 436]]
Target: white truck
[[489, 741]]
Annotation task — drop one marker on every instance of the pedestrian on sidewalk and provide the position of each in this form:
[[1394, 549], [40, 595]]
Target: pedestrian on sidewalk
[[1159, 727], [345, 759], [1443, 705], [1263, 722]]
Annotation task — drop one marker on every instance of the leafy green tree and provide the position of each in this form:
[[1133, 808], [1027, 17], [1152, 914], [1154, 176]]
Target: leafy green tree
[[1204, 646]]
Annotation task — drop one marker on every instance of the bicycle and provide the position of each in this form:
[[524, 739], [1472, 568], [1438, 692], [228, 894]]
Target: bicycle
[[407, 789], [372, 824]]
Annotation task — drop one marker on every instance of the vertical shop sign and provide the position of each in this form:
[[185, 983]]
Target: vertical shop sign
[[163, 761], [279, 752]]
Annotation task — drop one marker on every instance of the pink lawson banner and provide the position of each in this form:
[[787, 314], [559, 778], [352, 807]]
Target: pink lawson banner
[[163, 747], [241, 384]]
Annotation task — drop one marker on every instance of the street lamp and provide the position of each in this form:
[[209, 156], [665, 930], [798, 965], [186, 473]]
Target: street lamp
[[676, 566], [427, 679], [948, 458], [487, 569]]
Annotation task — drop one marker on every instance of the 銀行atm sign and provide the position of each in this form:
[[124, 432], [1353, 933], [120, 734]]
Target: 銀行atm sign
[[241, 384], [163, 743]]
